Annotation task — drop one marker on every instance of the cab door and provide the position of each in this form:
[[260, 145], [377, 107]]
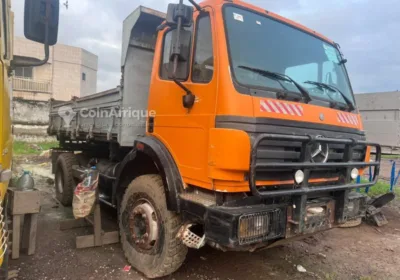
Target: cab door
[[186, 132]]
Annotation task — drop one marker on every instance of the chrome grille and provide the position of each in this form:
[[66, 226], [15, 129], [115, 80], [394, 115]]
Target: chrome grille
[[290, 151], [270, 151]]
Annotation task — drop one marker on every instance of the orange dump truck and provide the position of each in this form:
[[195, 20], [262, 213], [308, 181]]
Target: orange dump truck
[[232, 127]]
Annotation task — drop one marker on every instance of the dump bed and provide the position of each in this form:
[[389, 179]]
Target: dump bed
[[118, 114], [87, 117]]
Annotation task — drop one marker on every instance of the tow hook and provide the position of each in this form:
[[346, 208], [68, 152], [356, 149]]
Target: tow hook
[[189, 238]]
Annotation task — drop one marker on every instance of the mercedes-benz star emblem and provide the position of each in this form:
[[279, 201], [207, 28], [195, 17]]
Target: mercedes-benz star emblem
[[319, 152]]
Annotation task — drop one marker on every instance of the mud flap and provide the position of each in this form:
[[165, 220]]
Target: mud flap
[[382, 200]]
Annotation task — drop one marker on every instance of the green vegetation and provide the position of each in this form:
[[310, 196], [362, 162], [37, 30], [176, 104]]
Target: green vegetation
[[26, 148], [391, 156], [380, 188]]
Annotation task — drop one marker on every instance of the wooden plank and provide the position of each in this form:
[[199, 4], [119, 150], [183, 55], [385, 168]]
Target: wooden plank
[[73, 223], [16, 237], [26, 223], [87, 241], [24, 202], [29, 233], [32, 233], [97, 225]]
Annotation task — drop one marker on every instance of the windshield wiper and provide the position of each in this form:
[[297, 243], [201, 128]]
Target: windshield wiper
[[278, 76], [334, 89]]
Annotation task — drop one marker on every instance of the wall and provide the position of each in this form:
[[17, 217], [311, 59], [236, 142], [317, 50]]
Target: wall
[[63, 70], [30, 120], [34, 96], [28, 48], [89, 67], [380, 114], [66, 72]]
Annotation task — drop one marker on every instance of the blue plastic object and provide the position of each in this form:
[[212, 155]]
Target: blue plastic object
[[393, 177]]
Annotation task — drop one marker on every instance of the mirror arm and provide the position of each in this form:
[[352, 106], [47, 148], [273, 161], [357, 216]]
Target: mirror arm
[[189, 98], [197, 6], [21, 62], [182, 86]]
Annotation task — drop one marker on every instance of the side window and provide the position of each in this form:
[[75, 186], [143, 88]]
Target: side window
[[165, 55], [203, 61]]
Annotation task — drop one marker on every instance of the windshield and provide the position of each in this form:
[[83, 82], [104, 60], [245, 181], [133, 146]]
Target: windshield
[[260, 42]]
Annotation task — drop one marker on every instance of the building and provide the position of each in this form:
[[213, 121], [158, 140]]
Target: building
[[70, 71], [380, 113]]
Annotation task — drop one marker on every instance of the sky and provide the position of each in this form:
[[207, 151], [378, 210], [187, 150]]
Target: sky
[[367, 31]]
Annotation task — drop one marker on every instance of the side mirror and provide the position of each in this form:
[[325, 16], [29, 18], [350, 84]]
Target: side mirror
[[176, 11], [181, 16], [41, 21], [40, 25], [181, 49]]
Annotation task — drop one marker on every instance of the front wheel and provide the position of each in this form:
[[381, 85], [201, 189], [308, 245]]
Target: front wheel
[[148, 230]]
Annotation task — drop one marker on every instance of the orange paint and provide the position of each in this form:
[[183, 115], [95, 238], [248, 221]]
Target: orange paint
[[209, 157], [289, 182]]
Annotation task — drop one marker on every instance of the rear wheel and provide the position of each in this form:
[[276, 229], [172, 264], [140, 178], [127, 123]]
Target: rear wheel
[[148, 230], [64, 181]]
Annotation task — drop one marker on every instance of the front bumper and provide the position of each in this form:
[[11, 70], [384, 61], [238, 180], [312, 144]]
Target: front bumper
[[288, 211], [222, 224]]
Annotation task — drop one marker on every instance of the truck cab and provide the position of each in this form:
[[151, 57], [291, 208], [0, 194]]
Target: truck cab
[[274, 119], [253, 139]]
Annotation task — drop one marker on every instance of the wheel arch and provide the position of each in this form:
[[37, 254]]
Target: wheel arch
[[149, 156]]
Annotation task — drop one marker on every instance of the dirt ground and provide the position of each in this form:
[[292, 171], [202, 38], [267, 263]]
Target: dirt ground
[[365, 252]]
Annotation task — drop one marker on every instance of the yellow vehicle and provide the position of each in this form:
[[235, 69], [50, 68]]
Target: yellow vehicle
[[41, 25]]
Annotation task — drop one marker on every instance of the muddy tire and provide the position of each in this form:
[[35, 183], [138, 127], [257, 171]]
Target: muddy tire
[[150, 244], [64, 181], [351, 223]]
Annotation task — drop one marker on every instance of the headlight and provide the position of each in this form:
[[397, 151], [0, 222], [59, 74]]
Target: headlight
[[354, 173], [253, 227], [299, 176]]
